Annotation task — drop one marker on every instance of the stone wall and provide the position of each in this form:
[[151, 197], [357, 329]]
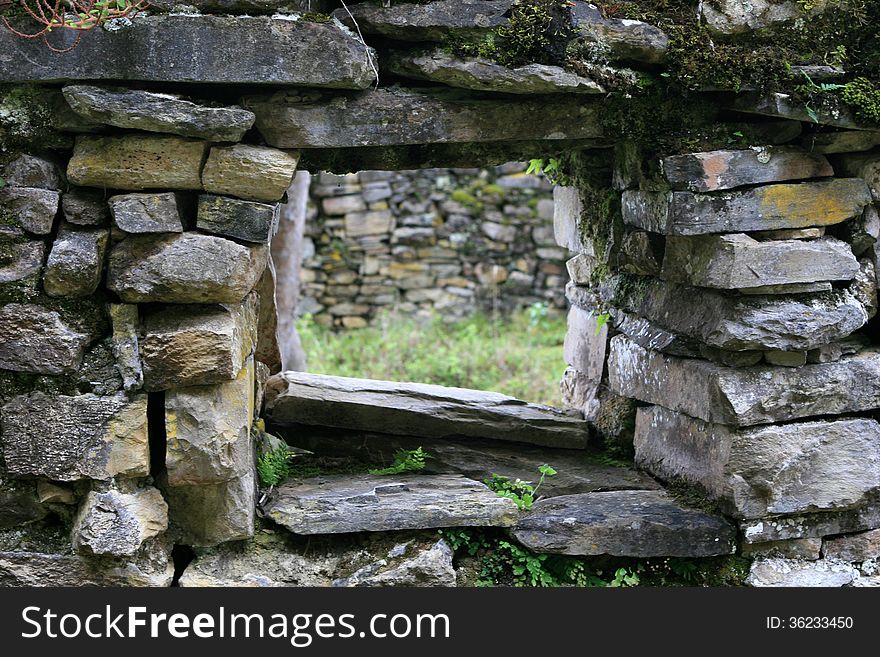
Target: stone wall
[[445, 242], [739, 357], [722, 228]]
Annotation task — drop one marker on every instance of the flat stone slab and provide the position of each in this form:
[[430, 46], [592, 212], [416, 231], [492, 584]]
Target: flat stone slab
[[577, 471], [432, 21], [137, 162], [37, 339], [394, 117], [194, 48], [480, 74], [773, 470], [357, 503], [786, 205], [784, 106], [184, 268], [812, 525], [33, 569], [158, 112], [415, 409], [744, 396], [71, 438], [742, 323], [716, 170], [624, 524], [788, 573], [737, 261]]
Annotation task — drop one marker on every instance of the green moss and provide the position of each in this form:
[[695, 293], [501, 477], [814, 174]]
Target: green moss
[[693, 496], [863, 96], [537, 31], [315, 17]]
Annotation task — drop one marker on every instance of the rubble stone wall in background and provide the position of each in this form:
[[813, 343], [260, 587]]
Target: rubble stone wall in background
[[444, 241]]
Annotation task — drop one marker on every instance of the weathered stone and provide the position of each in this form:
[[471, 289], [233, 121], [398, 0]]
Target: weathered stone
[[585, 343], [282, 559], [432, 21], [480, 74], [32, 171], [117, 523], [417, 410], [85, 207], [30, 208], [797, 323], [184, 48], [771, 470], [340, 205], [147, 213], [813, 525], [364, 224], [793, 573], [787, 107], [847, 141], [208, 429], [244, 220], [567, 210], [627, 523], [745, 396], [737, 261], [833, 352], [187, 268], [126, 352], [268, 348], [427, 567], [616, 39], [37, 339], [855, 548], [71, 438], [392, 117], [809, 549], [641, 253], [862, 165], [197, 345], [33, 569], [75, 261], [578, 392], [158, 112], [736, 16], [724, 357], [20, 258], [716, 170], [136, 162], [580, 269], [255, 173], [338, 504], [204, 516], [797, 205], [498, 232]]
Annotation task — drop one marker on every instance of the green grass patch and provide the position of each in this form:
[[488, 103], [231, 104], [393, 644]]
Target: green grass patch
[[518, 354]]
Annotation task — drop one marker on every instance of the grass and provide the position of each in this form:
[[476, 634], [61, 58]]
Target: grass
[[518, 354]]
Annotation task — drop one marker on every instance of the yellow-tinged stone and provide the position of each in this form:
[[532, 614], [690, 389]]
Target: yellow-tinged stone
[[136, 162], [255, 173]]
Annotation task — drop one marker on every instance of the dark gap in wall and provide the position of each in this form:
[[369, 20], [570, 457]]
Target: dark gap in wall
[[182, 556], [156, 432]]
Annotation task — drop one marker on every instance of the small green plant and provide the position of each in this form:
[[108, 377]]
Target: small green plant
[[405, 460], [523, 493], [274, 467], [625, 577]]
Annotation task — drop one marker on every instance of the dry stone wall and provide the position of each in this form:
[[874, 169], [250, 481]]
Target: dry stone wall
[[438, 241], [723, 292]]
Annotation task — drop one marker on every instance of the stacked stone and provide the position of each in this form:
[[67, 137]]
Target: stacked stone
[[438, 241], [135, 329], [738, 303]]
